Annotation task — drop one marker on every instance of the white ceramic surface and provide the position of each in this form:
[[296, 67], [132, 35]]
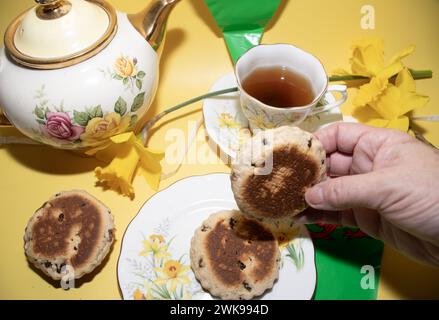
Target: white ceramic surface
[[227, 126], [82, 105], [159, 237], [84, 24], [263, 116]]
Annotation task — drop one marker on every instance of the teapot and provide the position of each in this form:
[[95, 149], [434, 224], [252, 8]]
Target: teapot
[[73, 73]]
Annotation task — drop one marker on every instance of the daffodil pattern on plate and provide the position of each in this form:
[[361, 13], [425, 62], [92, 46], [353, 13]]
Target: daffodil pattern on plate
[[161, 275], [231, 128], [290, 246]]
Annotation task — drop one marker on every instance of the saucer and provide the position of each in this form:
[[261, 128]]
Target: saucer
[[227, 126]]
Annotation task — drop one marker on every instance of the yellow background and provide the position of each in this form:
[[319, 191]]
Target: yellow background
[[193, 58]]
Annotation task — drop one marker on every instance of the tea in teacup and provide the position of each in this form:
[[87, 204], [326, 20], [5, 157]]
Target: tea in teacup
[[279, 86]]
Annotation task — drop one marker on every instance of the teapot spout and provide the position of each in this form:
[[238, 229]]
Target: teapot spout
[[151, 22]]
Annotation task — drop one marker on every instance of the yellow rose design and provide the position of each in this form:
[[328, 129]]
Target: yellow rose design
[[99, 129], [124, 67]]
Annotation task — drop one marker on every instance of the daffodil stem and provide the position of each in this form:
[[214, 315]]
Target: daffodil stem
[[156, 118], [421, 74], [416, 74]]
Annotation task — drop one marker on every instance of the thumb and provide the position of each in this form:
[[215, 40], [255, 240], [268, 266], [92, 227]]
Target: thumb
[[356, 191]]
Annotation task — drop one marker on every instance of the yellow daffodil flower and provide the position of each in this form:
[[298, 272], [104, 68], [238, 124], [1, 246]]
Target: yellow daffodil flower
[[261, 122], [138, 295], [172, 274], [127, 154], [284, 237], [155, 245], [383, 104], [368, 59], [226, 121], [384, 101], [157, 237]]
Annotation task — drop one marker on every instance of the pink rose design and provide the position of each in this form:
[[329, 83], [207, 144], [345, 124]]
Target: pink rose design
[[60, 126]]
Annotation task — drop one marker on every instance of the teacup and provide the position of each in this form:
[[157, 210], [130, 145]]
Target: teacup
[[263, 116]]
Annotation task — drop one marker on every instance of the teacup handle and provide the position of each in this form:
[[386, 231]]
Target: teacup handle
[[332, 88]]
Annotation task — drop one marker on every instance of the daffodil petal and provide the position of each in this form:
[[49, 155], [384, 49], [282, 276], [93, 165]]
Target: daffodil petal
[[138, 295], [150, 156], [150, 167], [119, 173], [388, 104], [401, 123], [146, 245], [376, 122], [405, 81], [153, 179], [370, 91], [144, 253], [173, 285], [398, 123], [185, 269], [367, 56], [364, 113], [123, 137], [413, 102], [410, 100], [160, 273], [391, 70], [402, 54], [184, 279], [160, 281]]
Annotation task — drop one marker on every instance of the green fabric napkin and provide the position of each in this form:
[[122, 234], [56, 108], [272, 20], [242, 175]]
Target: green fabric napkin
[[345, 260], [341, 253]]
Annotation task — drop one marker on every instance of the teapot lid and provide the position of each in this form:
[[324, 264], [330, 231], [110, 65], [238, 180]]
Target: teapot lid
[[60, 33]]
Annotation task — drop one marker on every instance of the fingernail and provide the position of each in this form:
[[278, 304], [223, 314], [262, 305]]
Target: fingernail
[[314, 196]]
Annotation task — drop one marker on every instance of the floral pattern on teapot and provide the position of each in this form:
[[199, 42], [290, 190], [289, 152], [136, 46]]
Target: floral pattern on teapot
[[91, 126], [125, 71]]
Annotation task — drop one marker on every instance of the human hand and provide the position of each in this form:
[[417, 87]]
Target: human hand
[[383, 181]]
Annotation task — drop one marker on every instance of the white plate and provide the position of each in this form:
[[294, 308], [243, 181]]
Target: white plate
[[174, 214], [225, 123]]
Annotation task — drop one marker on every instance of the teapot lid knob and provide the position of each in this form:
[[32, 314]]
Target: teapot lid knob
[[52, 9]]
